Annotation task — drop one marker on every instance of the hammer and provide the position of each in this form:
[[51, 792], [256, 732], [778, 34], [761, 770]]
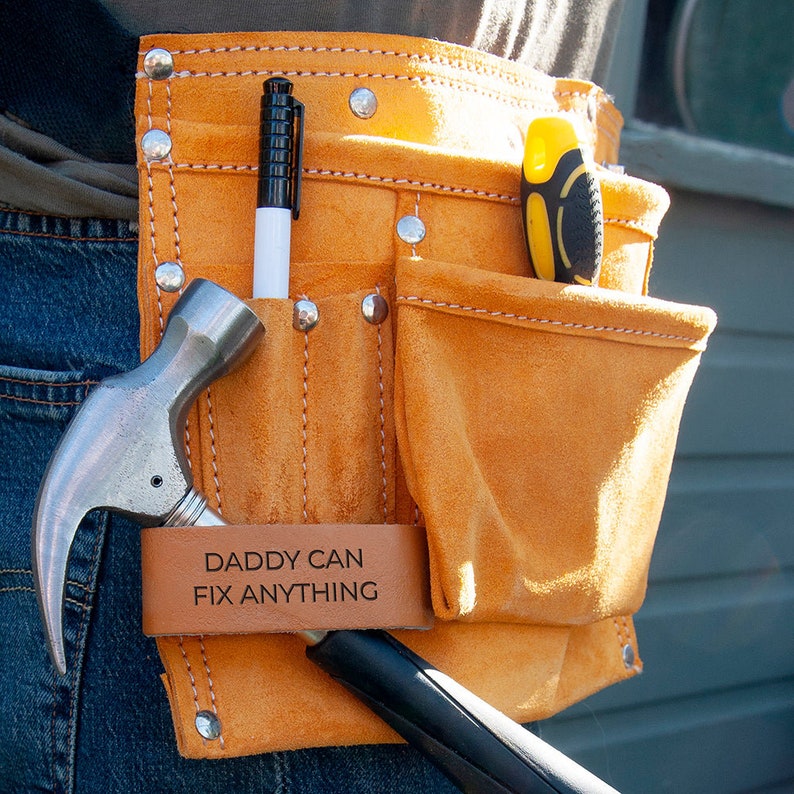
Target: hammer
[[124, 451]]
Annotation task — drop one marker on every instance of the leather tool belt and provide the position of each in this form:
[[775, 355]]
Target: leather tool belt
[[528, 426]]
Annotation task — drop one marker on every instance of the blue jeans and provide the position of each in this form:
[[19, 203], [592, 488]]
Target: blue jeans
[[68, 317]]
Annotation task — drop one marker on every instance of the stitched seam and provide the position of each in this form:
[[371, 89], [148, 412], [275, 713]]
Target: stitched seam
[[546, 321], [69, 237], [187, 445], [72, 735], [212, 688], [24, 382], [22, 589], [150, 201], [382, 403], [358, 176], [192, 678], [619, 630], [458, 85], [621, 641], [39, 402], [631, 224], [305, 398], [171, 184], [29, 572], [624, 639], [463, 66], [177, 241], [432, 59]]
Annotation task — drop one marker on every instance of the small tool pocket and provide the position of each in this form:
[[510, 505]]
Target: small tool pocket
[[313, 438], [536, 424]]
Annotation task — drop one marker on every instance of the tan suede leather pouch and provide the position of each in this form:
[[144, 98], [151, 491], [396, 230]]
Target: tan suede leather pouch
[[530, 426]]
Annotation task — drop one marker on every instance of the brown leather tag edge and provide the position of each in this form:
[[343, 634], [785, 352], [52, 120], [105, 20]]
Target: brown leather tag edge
[[251, 579]]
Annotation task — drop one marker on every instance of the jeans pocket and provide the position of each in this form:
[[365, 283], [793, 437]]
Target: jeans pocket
[[35, 406]]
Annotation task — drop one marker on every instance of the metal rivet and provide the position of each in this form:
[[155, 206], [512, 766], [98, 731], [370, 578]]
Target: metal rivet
[[375, 309], [158, 64], [208, 725], [410, 229], [363, 103], [156, 145], [628, 656], [305, 315], [169, 276]]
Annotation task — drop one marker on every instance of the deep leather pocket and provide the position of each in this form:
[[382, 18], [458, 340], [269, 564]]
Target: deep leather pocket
[[313, 437], [536, 423]]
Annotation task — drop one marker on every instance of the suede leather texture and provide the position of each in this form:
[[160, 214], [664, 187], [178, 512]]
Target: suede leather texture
[[531, 426]]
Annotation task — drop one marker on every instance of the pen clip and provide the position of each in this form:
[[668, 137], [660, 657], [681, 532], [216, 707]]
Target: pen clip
[[297, 169]]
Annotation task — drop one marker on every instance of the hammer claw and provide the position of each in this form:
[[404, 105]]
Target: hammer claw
[[124, 451]]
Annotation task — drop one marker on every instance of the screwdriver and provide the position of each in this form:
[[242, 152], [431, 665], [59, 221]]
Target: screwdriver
[[561, 205]]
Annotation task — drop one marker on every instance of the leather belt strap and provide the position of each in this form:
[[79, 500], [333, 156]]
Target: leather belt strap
[[284, 577]]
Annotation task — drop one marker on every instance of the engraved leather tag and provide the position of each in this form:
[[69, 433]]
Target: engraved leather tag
[[246, 579]]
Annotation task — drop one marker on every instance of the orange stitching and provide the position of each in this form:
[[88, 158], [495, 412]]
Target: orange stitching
[[190, 673], [69, 237], [150, 197], [39, 402], [305, 422], [187, 444], [359, 176], [624, 641], [212, 688], [422, 79], [24, 382], [518, 102], [383, 468], [619, 630], [171, 182], [217, 167], [545, 321], [432, 59], [630, 223]]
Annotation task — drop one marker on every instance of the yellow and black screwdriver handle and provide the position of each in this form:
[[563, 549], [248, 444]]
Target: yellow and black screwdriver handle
[[561, 203]]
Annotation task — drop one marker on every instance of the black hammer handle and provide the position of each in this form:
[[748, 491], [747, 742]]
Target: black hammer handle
[[477, 747]]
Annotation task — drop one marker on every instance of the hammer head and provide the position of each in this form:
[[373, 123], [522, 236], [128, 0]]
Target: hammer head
[[124, 449]]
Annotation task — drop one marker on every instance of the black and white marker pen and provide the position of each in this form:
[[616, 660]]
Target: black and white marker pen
[[278, 194]]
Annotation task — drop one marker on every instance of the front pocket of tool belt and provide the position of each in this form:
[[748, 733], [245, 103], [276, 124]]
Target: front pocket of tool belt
[[301, 431], [536, 424]]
